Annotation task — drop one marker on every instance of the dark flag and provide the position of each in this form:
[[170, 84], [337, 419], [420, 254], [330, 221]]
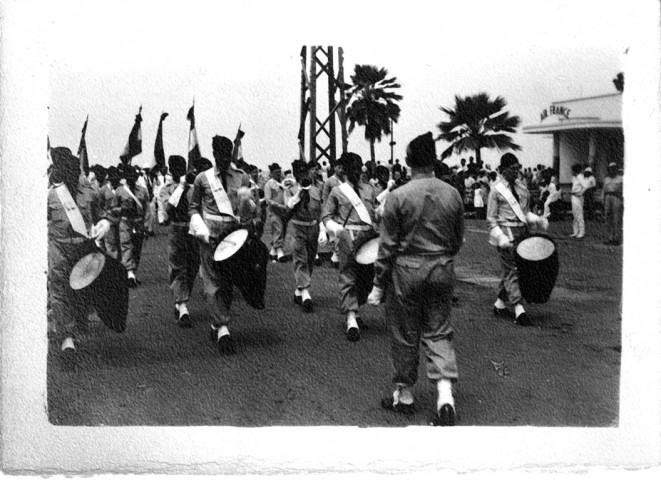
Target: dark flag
[[193, 145], [48, 149], [82, 151], [133, 146], [237, 154], [159, 151]]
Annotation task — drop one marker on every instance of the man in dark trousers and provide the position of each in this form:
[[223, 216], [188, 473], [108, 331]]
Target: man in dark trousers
[[183, 250], [221, 203], [422, 229]]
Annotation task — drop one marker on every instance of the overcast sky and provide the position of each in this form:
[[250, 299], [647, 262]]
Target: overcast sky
[[240, 61]]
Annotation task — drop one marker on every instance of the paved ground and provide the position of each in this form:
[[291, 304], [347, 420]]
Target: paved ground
[[294, 368]]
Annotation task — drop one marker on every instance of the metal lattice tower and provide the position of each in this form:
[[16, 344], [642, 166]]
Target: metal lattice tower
[[321, 129]]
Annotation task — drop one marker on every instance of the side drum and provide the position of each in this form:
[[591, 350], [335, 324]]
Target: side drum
[[538, 266], [103, 282]]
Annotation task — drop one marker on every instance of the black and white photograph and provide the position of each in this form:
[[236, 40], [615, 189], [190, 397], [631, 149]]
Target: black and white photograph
[[329, 238]]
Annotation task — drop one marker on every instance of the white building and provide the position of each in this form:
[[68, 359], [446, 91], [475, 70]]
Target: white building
[[585, 130]]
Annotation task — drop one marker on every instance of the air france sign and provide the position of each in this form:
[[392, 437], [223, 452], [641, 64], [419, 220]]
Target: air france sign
[[555, 110]]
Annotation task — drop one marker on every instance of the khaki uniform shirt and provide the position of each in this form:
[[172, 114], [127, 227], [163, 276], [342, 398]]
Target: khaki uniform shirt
[[423, 217], [499, 211], [202, 201], [313, 209], [339, 208], [89, 204]]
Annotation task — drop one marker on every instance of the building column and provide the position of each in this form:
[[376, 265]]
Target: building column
[[556, 155], [592, 149]]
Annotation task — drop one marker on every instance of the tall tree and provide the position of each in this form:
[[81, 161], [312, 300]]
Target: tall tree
[[373, 103], [477, 122]]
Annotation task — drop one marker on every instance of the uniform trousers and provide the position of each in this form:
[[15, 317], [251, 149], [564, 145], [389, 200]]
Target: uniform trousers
[[184, 262], [66, 307], [508, 290], [278, 230], [578, 225], [350, 297], [305, 240], [216, 276], [613, 210], [131, 236], [418, 305], [111, 242]]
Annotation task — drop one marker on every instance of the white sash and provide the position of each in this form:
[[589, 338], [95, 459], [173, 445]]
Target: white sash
[[71, 209], [176, 196], [357, 203], [138, 205], [219, 194], [507, 193]]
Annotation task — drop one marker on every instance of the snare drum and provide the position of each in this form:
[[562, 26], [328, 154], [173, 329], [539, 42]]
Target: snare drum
[[538, 266]]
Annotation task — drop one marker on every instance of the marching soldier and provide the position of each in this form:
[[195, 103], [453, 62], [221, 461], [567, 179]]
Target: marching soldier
[[131, 201], [275, 200], [75, 218], [331, 182], [422, 228], [221, 202], [107, 193], [508, 218], [348, 212], [183, 249], [304, 201]]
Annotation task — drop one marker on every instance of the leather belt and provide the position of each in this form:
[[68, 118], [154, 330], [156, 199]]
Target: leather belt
[[304, 223]]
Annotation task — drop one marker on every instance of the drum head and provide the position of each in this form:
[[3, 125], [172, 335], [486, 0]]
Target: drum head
[[230, 245], [535, 248], [87, 270], [366, 254]]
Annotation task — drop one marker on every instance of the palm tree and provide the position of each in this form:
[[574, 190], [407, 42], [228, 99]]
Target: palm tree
[[373, 103], [478, 122]]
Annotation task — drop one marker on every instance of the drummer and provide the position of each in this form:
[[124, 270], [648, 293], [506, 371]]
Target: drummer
[[183, 251], [421, 232], [508, 218], [304, 201], [221, 202], [131, 203], [69, 233], [349, 211], [107, 192]]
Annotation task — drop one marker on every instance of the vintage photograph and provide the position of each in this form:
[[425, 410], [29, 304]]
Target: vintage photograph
[[332, 214]]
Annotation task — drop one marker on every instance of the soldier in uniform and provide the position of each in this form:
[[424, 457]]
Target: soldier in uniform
[[508, 217], [75, 218], [612, 201], [107, 193], [221, 202], [183, 248], [131, 203], [331, 182], [422, 228], [348, 212], [275, 201], [304, 201]]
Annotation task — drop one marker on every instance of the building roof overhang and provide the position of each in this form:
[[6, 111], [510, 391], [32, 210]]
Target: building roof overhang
[[575, 126]]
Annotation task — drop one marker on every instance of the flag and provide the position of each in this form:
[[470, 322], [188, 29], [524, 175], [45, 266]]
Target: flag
[[193, 145], [48, 149], [82, 151], [237, 153], [159, 152], [133, 145]]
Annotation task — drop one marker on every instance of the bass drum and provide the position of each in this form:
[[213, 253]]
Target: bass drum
[[364, 252], [247, 268], [103, 283], [538, 265]]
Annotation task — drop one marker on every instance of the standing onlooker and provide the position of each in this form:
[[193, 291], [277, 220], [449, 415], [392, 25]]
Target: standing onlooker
[[479, 196], [588, 196], [613, 206], [577, 191], [469, 188]]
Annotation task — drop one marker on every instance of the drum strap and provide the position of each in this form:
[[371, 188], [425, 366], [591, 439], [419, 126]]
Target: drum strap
[[176, 196], [219, 194], [135, 199], [507, 194], [71, 209], [357, 203]]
